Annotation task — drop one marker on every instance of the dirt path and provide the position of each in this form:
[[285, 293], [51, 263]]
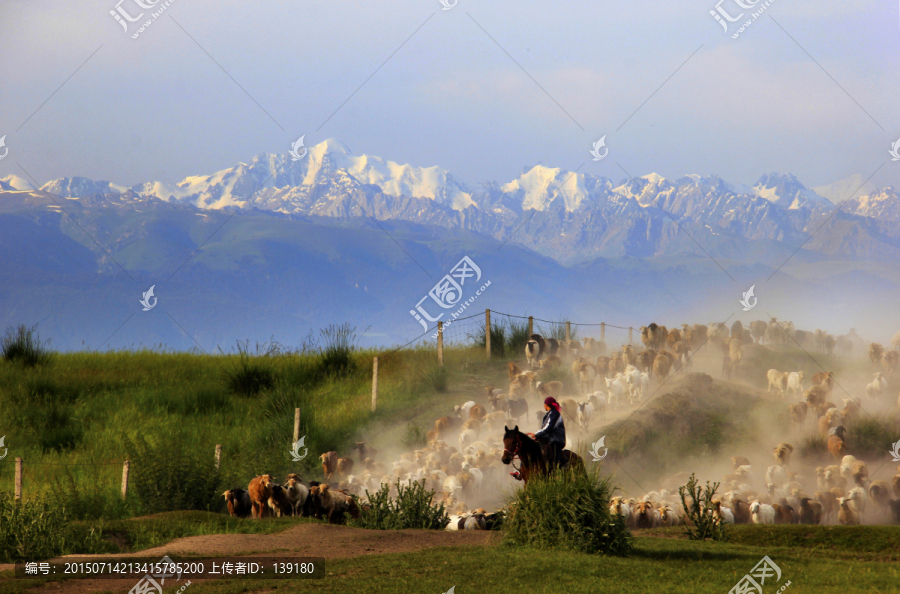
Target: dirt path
[[305, 540]]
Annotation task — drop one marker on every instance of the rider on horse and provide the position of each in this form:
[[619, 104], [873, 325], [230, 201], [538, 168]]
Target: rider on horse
[[554, 431]]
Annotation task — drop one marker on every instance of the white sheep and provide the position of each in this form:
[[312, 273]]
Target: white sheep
[[776, 474], [585, 411], [876, 387], [598, 402], [795, 382], [616, 388], [761, 513]]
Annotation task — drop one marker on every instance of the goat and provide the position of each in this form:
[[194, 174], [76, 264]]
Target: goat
[[238, 502]]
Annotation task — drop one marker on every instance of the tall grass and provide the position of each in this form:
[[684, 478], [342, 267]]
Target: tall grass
[[517, 336], [22, 344], [338, 344], [250, 374], [567, 510], [412, 508], [697, 502], [498, 338], [36, 529]]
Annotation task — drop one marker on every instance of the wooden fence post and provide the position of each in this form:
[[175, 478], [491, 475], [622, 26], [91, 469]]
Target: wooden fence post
[[219, 455], [629, 335], [530, 326], [441, 344], [487, 332], [602, 331], [18, 477], [296, 426], [125, 479], [374, 383], [568, 331]]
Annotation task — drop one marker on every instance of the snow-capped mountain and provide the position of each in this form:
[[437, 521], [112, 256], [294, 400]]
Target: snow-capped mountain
[[569, 216], [14, 183]]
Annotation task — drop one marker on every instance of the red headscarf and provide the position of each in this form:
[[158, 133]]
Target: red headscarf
[[552, 403]]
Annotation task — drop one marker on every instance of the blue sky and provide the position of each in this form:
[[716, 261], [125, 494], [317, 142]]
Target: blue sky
[[158, 107]]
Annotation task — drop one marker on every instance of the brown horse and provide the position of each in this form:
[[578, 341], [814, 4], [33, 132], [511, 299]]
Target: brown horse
[[533, 460]]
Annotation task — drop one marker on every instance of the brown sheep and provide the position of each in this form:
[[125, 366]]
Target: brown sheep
[[645, 360], [798, 414], [747, 337], [880, 494], [628, 355], [848, 516], [738, 461], [824, 379], [876, 351], [741, 511], [442, 425], [673, 337], [827, 421], [661, 366], [477, 412], [810, 511], [860, 473], [332, 504], [364, 452], [551, 362], [851, 410], [816, 396], [699, 332], [828, 502], [260, 490], [279, 503], [602, 366], [836, 447], [329, 464], [514, 370], [782, 453], [344, 467], [889, 361], [238, 503], [784, 514], [737, 331]]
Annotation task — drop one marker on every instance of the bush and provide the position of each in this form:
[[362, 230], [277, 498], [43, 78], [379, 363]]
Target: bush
[[166, 477], [338, 343], [24, 345], [700, 511], [252, 374], [36, 529], [567, 509], [414, 438], [517, 337], [498, 338], [411, 509], [436, 377]]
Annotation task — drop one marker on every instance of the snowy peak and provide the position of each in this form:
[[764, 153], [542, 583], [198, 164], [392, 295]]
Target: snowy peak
[[14, 183], [540, 187], [786, 191], [79, 187], [883, 204], [853, 186]]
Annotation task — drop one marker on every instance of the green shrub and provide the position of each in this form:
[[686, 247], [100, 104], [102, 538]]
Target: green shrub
[[36, 529], [436, 378], [700, 511], [251, 374], [412, 508], [498, 338], [338, 344], [414, 437], [517, 337], [567, 509], [23, 344], [167, 477]]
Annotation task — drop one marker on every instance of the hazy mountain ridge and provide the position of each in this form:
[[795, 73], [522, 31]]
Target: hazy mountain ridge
[[570, 217]]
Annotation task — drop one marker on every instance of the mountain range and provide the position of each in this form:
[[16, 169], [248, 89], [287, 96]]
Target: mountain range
[[297, 242]]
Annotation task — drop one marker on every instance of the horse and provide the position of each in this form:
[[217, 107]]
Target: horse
[[531, 454]]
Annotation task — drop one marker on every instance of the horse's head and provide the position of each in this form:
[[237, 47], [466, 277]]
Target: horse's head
[[512, 444]]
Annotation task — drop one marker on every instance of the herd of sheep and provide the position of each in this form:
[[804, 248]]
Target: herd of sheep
[[460, 460]]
